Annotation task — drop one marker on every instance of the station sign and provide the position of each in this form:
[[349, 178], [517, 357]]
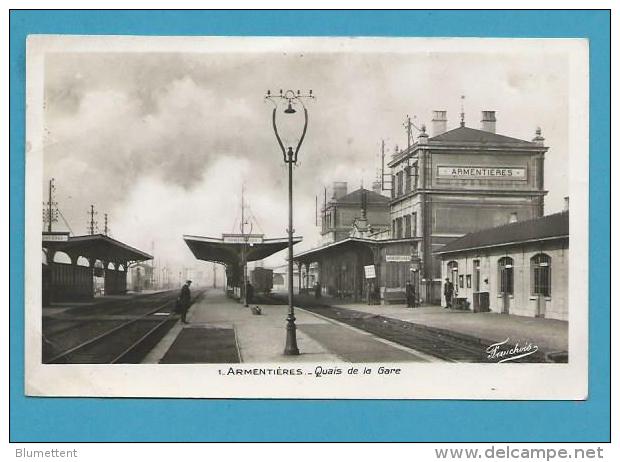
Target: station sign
[[240, 239], [55, 237], [398, 258], [369, 271], [472, 172]]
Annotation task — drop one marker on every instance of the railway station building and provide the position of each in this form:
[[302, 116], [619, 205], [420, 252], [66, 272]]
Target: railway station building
[[71, 264], [520, 268], [443, 186]]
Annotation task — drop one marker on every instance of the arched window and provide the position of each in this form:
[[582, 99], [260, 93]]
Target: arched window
[[453, 273], [62, 257], [540, 274], [82, 261], [506, 275]]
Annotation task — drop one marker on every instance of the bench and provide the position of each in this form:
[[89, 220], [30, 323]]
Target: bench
[[394, 297]]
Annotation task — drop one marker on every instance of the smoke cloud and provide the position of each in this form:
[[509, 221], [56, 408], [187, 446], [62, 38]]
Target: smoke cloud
[[163, 142]]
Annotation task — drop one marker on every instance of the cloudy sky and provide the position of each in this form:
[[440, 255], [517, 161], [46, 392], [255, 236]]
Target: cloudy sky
[[163, 142]]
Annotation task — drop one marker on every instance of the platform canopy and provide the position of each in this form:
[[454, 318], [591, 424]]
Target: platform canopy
[[227, 249], [95, 246], [350, 243]]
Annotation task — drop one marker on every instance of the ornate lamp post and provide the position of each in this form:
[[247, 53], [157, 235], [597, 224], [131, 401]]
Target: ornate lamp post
[[290, 99]]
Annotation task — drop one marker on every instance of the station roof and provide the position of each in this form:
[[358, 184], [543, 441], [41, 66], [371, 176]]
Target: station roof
[[549, 227], [227, 250], [95, 246], [471, 138], [472, 135], [310, 255], [355, 197]]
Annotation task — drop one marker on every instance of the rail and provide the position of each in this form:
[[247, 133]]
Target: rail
[[440, 343], [130, 353]]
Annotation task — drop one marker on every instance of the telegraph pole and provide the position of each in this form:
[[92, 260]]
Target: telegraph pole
[[383, 174], [245, 237], [243, 286], [49, 206], [92, 224], [50, 214], [408, 126], [106, 230]]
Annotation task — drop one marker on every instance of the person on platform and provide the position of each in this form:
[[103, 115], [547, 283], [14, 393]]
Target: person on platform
[[185, 300], [410, 294], [317, 290], [448, 291], [370, 292], [249, 292]]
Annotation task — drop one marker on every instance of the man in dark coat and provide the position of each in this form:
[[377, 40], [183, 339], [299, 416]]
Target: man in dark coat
[[448, 290], [410, 294], [249, 294], [185, 300], [317, 290]]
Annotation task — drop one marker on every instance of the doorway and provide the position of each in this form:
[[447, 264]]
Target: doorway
[[541, 281], [506, 282]]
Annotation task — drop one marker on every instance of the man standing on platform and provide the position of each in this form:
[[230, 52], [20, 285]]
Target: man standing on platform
[[448, 291], [249, 293], [185, 300], [410, 295]]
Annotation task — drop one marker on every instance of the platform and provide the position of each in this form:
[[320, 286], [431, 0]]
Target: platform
[[261, 338], [550, 335]]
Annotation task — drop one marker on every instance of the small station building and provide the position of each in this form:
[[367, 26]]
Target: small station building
[[71, 264], [520, 268]]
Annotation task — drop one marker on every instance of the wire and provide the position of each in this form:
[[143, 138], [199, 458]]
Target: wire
[[65, 221], [253, 217], [235, 223]]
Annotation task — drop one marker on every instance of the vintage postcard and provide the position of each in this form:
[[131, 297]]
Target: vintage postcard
[[269, 217]]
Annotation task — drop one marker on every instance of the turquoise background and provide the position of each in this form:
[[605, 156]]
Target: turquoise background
[[76, 419]]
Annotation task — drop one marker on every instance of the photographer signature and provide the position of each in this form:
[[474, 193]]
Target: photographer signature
[[503, 352]]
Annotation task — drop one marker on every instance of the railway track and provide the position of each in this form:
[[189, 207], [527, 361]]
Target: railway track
[[440, 343], [113, 342], [77, 324], [115, 306]]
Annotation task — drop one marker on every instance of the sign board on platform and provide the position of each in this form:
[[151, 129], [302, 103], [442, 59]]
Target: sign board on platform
[[398, 258], [369, 271]]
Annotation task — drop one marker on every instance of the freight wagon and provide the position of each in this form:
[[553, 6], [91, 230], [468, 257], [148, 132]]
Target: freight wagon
[[262, 280]]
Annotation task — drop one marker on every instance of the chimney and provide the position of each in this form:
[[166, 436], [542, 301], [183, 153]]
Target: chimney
[[513, 217], [439, 123], [488, 121], [539, 139], [376, 187], [423, 136], [566, 204], [339, 189]]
